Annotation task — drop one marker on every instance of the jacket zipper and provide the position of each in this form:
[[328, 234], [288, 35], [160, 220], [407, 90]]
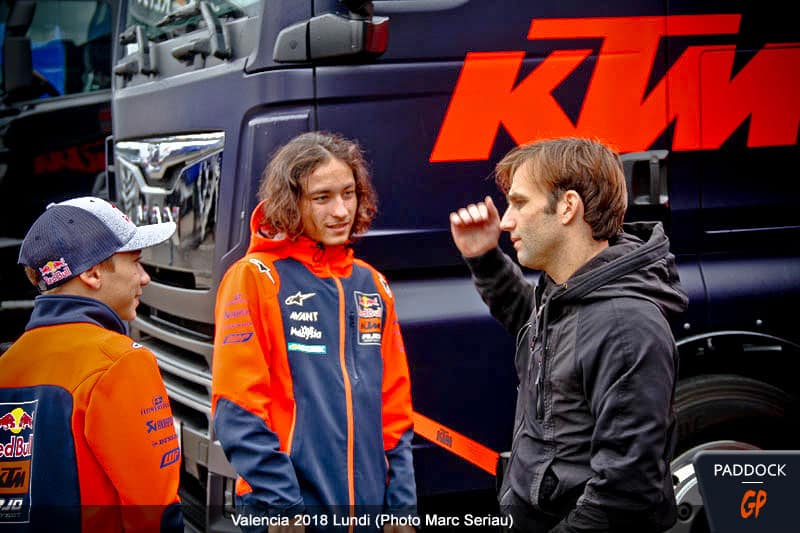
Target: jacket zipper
[[349, 402], [354, 343], [518, 431]]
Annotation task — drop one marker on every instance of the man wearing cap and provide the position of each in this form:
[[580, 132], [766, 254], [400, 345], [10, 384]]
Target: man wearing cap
[[87, 441]]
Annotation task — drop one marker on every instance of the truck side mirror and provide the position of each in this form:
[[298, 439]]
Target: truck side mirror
[[334, 36]]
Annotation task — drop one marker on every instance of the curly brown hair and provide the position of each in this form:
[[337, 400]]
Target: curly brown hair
[[586, 166], [282, 180]]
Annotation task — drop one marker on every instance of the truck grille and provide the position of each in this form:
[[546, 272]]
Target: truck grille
[[177, 178], [174, 179], [186, 372]]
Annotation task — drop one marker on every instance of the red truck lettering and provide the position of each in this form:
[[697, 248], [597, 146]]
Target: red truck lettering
[[698, 93]]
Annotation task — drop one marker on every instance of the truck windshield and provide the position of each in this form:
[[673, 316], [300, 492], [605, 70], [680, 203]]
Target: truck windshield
[[147, 13]]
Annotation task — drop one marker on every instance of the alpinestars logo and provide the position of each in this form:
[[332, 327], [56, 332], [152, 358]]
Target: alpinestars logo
[[299, 298], [264, 269], [700, 95]]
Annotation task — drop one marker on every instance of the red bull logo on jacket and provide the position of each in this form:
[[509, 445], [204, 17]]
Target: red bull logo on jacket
[[16, 421], [55, 271], [16, 460], [370, 317]]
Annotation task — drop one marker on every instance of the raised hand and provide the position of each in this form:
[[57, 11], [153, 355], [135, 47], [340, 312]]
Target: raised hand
[[476, 228]]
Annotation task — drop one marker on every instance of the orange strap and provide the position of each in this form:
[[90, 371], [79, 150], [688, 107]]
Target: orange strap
[[456, 443]]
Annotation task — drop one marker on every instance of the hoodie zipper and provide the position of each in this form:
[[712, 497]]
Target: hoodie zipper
[[541, 324], [518, 430], [348, 392], [353, 343]]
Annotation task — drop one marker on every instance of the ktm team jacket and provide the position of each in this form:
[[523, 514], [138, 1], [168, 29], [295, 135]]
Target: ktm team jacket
[[87, 441], [311, 393]]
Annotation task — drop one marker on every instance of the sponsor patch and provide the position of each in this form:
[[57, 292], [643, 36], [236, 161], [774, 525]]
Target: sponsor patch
[[158, 425], [264, 269], [305, 332], [370, 317], [54, 271], [237, 314], [238, 299], [171, 457], [299, 298], [16, 460], [237, 338], [318, 349], [159, 403], [304, 316]]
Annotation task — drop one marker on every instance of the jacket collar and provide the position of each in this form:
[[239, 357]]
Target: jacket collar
[[320, 259], [50, 310]]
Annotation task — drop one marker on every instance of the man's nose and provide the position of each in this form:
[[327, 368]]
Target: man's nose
[[340, 207], [507, 222], [144, 277]]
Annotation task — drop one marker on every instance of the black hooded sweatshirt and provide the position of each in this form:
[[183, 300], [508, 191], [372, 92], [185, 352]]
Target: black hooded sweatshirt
[[597, 365]]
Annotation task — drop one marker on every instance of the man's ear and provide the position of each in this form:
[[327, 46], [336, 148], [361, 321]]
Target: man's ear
[[92, 277], [570, 207]]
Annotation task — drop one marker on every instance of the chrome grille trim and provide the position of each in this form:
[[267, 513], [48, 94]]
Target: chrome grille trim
[[176, 179]]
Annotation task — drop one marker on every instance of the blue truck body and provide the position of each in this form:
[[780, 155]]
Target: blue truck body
[[699, 97]]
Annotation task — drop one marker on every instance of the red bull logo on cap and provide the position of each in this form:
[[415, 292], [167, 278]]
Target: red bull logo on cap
[[55, 271]]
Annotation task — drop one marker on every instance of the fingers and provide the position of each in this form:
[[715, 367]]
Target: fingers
[[473, 214], [492, 209]]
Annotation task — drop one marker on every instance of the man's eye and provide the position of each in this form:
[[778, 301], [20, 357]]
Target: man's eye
[[349, 194]]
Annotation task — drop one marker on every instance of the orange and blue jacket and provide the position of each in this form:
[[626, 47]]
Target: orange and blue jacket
[[87, 441], [311, 396]]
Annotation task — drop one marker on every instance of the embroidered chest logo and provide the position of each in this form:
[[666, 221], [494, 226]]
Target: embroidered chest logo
[[370, 317], [16, 460], [299, 298]]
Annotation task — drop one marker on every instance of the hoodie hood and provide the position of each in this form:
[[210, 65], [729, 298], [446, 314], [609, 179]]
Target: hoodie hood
[[320, 259], [637, 264]]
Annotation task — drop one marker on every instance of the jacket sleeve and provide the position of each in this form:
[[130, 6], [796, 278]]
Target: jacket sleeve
[[629, 367], [241, 397], [401, 493], [130, 429], [503, 287]]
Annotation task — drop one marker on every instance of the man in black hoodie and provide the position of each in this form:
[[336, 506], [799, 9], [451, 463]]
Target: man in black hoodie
[[594, 429]]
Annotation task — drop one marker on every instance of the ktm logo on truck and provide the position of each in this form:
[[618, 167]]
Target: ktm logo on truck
[[700, 95]]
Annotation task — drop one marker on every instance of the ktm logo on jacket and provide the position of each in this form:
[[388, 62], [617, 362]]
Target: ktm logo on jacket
[[701, 95]]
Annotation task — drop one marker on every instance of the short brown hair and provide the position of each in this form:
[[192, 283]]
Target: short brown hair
[[282, 180], [586, 166]]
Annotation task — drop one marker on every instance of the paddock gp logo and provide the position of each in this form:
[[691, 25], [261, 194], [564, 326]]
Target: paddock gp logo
[[700, 95], [749, 491]]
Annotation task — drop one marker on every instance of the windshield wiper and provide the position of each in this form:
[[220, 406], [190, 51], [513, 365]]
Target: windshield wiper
[[217, 43]]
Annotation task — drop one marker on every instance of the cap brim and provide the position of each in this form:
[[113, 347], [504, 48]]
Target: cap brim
[[150, 235]]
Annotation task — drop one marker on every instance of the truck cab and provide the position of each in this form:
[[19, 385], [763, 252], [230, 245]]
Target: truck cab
[[699, 98]]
